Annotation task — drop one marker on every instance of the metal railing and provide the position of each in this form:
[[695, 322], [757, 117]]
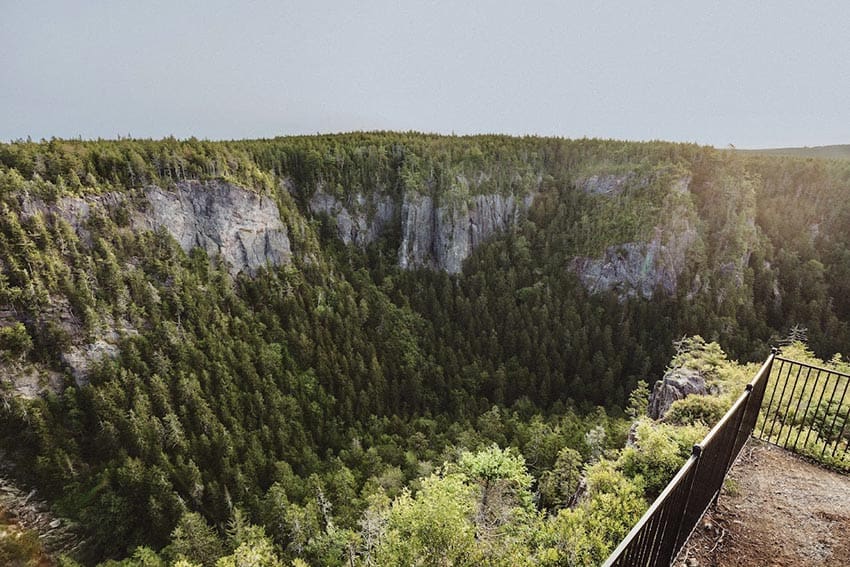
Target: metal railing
[[660, 533], [808, 411]]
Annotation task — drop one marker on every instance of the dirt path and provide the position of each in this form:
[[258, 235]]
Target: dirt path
[[776, 510]]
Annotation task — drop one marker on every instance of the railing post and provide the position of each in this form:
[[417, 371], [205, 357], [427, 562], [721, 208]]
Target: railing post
[[658, 537]]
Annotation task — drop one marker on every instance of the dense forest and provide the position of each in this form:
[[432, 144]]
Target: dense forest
[[339, 408]]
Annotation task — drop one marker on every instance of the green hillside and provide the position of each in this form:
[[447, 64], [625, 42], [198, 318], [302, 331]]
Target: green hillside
[[325, 404], [841, 151]]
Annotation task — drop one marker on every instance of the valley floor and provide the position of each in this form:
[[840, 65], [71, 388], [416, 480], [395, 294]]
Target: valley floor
[[775, 510]]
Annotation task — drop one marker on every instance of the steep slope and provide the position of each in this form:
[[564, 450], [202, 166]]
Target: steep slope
[[289, 327]]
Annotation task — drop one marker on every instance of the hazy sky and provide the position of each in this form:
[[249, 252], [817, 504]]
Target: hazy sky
[[709, 72]]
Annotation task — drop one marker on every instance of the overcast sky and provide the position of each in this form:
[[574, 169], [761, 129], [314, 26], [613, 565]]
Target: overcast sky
[[708, 72]]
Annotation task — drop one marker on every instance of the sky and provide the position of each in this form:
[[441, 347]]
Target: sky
[[752, 74]]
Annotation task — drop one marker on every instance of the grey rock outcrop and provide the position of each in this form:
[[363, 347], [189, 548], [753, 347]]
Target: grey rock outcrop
[[74, 210], [629, 269], [242, 227], [638, 269], [26, 509], [417, 232], [79, 359], [28, 380], [605, 184], [362, 221], [442, 236], [675, 385], [239, 226]]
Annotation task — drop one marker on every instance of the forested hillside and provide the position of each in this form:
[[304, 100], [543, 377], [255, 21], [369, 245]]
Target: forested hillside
[[310, 347]]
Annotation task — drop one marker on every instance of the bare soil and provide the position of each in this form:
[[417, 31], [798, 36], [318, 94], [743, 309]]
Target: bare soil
[[775, 510]]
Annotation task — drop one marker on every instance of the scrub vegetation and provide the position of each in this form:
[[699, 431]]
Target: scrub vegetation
[[338, 410]]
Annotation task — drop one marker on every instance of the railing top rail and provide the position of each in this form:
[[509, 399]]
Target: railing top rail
[[813, 366], [754, 388], [659, 501], [742, 399], [766, 365]]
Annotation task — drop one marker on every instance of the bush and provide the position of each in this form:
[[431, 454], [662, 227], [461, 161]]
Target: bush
[[15, 341], [660, 451], [696, 409]]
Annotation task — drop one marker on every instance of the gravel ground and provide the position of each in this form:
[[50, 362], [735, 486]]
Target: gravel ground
[[776, 510]]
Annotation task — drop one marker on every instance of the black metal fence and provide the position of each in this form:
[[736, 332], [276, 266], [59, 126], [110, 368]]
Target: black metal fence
[[665, 527], [807, 411]]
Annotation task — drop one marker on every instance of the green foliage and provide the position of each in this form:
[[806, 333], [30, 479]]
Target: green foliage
[[638, 400], [659, 451], [693, 409], [15, 341], [194, 540], [585, 535], [141, 557], [316, 399], [558, 485], [432, 528], [255, 552]]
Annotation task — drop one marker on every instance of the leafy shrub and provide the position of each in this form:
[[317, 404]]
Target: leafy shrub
[[660, 450], [694, 409]]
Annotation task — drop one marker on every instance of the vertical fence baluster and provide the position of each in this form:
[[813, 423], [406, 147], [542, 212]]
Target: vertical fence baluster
[[821, 434], [797, 407], [837, 411], [779, 403], [806, 411], [843, 429], [772, 395], [815, 410], [680, 540]]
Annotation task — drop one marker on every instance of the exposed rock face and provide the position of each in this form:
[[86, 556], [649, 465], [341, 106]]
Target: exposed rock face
[[28, 380], [74, 210], [675, 385], [639, 268], [25, 509], [80, 358], [360, 223], [605, 184], [417, 232], [443, 236], [436, 232], [629, 269], [242, 227]]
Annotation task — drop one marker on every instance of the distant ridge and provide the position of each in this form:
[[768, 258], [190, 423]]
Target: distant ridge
[[841, 151]]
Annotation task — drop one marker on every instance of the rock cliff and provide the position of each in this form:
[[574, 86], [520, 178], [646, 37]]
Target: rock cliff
[[361, 221], [638, 269], [242, 227], [435, 233], [441, 236]]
